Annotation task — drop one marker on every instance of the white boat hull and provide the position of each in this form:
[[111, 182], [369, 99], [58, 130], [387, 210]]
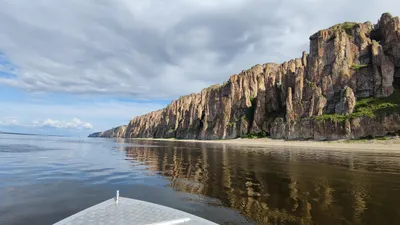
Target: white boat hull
[[130, 211]]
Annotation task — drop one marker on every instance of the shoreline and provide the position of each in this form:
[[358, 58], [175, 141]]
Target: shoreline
[[390, 145]]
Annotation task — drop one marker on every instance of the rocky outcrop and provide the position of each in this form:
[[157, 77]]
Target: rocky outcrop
[[361, 127], [346, 62], [112, 133], [387, 32], [347, 102]]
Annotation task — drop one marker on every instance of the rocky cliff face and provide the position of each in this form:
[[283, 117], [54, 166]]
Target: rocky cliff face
[[312, 97]]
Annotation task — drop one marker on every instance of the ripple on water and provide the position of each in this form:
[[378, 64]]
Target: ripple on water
[[114, 178], [98, 170], [21, 148]]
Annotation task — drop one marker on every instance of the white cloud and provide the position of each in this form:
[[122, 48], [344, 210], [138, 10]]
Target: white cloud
[[159, 49], [101, 114], [8, 121], [74, 123]]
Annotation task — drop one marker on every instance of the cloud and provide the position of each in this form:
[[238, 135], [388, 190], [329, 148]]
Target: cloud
[[9, 121], [158, 49], [74, 123], [101, 113]]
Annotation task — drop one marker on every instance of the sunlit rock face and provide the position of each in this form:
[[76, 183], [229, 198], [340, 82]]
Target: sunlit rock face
[[346, 62]]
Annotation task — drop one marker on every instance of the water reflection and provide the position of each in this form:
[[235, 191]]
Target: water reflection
[[279, 186]]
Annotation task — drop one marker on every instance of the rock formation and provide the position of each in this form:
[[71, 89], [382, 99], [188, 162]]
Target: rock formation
[[311, 97], [112, 133]]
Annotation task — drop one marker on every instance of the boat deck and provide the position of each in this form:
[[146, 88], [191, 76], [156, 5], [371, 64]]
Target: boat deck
[[130, 211]]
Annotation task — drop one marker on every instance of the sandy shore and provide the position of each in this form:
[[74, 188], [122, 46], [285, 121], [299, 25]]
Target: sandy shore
[[356, 145]]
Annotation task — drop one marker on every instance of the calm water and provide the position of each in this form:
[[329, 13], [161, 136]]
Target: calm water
[[45, 179]]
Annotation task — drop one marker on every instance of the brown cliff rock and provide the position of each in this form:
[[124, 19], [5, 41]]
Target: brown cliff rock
[[383, 71], [346, 62], [388, 33], [347, 102]]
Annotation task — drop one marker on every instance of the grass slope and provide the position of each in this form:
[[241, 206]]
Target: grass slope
[[368, 107]]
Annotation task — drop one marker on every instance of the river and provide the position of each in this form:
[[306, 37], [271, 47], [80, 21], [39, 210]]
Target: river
[[45, 179]]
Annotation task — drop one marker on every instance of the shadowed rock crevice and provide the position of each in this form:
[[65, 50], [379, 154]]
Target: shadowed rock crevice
[[311, 97]]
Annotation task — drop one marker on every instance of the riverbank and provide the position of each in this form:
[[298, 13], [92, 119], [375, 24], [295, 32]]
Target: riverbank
[[392, 144]]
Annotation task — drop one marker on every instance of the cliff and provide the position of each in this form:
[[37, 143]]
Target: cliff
[[344, 88]]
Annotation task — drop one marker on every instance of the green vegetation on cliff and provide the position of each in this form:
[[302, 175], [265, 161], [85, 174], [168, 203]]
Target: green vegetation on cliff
[[368, 107], [252, 135], [170, 131], [346, 26], [359, 66]]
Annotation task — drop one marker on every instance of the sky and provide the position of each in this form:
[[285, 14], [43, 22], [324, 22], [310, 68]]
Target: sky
[[76, 67]]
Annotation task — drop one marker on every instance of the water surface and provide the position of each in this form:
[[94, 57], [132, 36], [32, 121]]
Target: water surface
[[45, 179]]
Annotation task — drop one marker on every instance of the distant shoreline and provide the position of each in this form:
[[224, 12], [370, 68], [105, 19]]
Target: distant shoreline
[[354, 145], [26, 134]]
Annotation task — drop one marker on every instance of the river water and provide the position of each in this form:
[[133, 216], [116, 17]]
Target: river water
[[45, 179]]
